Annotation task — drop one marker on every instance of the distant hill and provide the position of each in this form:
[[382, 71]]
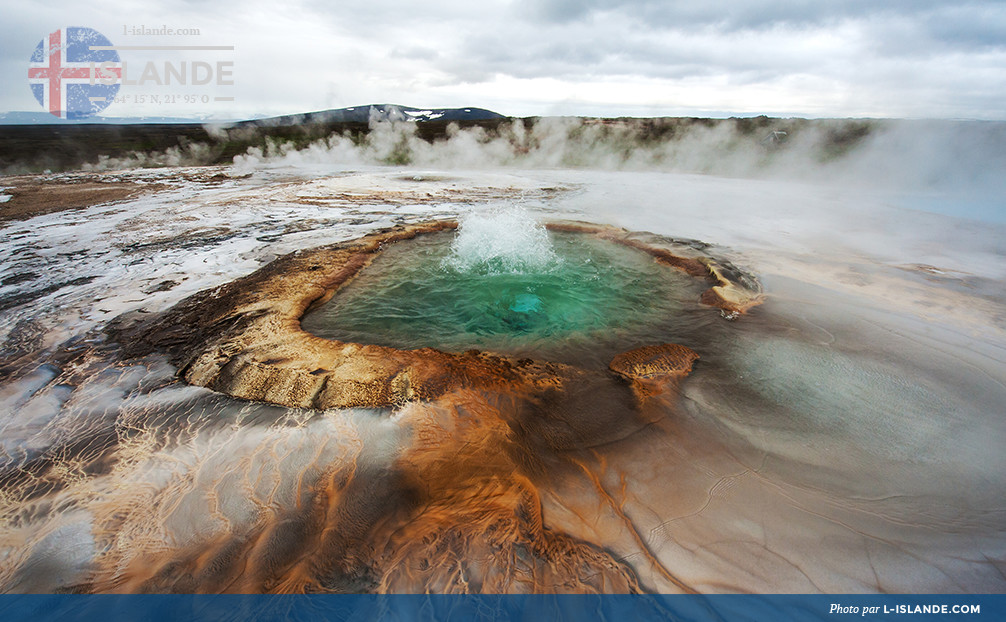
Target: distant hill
[[355, 114], [380, 112], [21, 117], [39, 141]]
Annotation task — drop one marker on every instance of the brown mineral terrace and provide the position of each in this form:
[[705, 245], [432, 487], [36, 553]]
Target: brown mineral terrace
[[245, 338]]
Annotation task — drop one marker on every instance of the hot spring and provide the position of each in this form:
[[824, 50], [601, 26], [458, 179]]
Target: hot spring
[[380, 380], [505, 283]]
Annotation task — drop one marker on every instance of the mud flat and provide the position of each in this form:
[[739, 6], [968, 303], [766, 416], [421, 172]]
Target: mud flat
[[31, 196]]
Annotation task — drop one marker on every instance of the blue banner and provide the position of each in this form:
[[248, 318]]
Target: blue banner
[[528, 608]]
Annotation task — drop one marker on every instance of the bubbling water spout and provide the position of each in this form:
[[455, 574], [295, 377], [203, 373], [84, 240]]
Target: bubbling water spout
[[505, 240]]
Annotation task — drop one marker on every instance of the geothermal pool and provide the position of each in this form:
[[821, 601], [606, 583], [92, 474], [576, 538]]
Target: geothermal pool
[[563, 296], [844, 436]]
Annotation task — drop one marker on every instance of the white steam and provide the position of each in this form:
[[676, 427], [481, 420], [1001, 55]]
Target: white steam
[[898, 155]]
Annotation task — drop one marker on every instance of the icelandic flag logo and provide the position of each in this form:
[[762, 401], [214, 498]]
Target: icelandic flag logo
[[69, 78]]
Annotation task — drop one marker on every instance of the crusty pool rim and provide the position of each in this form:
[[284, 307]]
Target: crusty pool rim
[[244, 338]]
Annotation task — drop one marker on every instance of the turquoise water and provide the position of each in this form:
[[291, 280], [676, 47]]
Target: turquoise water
[[586, 298]]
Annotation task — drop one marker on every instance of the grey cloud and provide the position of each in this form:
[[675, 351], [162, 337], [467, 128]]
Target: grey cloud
[[415, 52], [732, 15], [899, 53], [571, 44], [968, 27], [584, 50]]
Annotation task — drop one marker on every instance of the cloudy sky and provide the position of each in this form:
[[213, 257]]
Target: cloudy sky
[[893, 58]]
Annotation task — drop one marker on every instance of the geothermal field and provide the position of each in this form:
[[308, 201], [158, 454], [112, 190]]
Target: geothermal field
[[572, 356]]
